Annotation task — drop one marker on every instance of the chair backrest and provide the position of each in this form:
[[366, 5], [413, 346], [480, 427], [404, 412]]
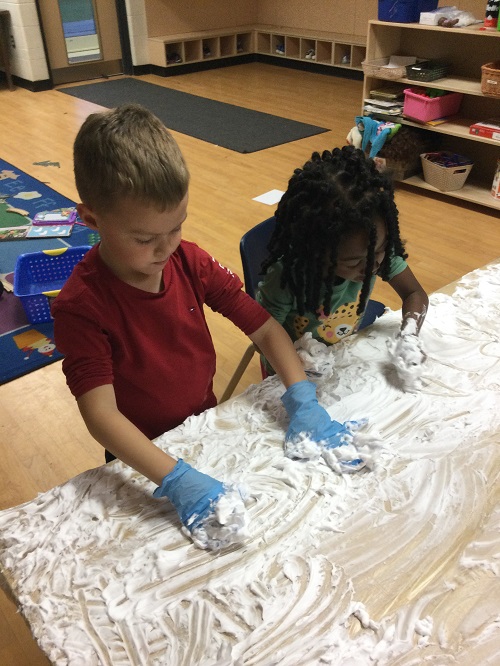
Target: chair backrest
[[253, 251]]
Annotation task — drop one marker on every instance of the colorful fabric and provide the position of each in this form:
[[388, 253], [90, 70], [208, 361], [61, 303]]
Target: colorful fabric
[[342, 320]]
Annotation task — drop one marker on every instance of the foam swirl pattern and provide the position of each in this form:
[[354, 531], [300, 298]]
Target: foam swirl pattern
[[397, 565]]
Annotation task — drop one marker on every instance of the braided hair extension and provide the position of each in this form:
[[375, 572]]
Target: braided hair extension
[[334, 195]]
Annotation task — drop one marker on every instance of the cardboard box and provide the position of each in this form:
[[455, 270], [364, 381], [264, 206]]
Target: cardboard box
[[489, 129]]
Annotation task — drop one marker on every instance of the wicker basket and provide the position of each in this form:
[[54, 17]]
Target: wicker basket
[[490, 79], [446, 178], [378, 69]]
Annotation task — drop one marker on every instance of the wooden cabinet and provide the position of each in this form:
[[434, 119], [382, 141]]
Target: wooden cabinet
[[465, 50]]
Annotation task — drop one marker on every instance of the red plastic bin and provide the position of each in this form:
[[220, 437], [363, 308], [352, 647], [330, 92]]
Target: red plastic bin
[[421, 107]]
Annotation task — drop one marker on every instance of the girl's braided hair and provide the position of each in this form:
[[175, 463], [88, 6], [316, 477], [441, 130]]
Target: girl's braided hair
[[332, 196]]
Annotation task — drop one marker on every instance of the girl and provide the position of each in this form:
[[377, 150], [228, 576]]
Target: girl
[[336, 230]]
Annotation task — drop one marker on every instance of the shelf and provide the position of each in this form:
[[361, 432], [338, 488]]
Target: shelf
[[465, 50], [175, 50], [333, 49], [452, 83], [475, 30], [469, 192], [455, 126]]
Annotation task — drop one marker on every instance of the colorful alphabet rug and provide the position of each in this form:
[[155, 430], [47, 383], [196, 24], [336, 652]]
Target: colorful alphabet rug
[[24, 346]]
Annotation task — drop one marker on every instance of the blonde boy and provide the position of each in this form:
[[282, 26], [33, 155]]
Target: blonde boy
[[139, 358]]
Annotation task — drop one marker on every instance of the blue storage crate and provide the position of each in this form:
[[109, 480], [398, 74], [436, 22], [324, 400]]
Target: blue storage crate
[[40, 276], [404, 11]]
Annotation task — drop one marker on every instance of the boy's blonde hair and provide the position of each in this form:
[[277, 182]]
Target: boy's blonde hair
[[128, 152]]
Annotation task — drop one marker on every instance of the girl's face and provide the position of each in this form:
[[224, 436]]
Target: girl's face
[[353, 250]]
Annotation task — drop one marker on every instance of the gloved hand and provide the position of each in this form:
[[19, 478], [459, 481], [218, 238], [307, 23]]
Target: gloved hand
[[308, 420], [407, 356], [192, 493], [409, 349]]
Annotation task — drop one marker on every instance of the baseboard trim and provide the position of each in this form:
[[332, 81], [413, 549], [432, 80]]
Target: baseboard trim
[[188, 68], [310, 66], [33, 86]]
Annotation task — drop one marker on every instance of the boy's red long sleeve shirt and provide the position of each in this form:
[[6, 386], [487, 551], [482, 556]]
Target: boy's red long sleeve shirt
[[156, 349]]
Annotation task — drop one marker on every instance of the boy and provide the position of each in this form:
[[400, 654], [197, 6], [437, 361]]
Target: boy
[[139, 358]]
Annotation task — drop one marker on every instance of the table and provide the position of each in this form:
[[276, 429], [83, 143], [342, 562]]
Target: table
[[4, 46], [396, 565]]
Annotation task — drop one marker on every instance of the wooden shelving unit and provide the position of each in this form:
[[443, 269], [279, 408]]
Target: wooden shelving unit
[[346, 51], [465, 50], [336, 50], [174, 50]]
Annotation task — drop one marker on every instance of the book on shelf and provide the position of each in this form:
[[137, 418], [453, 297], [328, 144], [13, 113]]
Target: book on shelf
[[382, 103], [489, 129], [382, 106], [369, 109], [392, 93], [437, 121]]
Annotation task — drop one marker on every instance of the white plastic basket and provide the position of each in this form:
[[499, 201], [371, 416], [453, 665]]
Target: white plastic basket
[[445, 178]]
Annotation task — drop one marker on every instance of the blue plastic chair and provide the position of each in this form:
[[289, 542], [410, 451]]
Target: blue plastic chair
[[253, 251]]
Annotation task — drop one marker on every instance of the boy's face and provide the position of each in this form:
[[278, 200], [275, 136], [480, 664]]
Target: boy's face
[[136, 239], [353, 250]]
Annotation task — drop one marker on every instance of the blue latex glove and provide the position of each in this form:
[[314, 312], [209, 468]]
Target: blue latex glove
[[192, 493], [309, 419]]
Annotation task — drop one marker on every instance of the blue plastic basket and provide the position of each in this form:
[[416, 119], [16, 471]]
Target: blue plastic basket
[[40, 276]]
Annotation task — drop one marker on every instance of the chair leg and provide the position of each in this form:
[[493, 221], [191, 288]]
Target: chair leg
[[238, 373]]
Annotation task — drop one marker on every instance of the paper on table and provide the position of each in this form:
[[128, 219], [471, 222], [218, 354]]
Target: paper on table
[[270, 198]]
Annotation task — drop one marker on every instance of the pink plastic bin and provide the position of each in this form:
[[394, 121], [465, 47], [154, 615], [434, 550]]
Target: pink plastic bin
[[425, 108]]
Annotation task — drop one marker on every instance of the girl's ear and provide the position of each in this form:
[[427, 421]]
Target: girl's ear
[[87, 216]]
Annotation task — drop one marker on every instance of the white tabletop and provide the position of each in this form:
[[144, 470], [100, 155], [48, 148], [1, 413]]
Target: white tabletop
[[394, 565]]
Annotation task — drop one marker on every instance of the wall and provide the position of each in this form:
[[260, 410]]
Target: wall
[[28, 56], [344, 16], [167, 17], [338, 16], [138, 31], [350, 17], [477, 7], [152, 18]]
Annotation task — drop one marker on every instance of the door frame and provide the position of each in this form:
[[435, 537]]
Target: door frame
[[92, 69]]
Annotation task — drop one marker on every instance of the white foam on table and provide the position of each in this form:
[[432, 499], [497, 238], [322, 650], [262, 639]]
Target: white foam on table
[[398, 564]]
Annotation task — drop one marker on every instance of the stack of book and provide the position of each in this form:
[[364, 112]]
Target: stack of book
[[387, 101]]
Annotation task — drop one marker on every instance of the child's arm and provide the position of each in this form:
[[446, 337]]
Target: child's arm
[[120, 436], [406, 352], [192, 493], [414, 300], [275, 344], [309, 421]]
